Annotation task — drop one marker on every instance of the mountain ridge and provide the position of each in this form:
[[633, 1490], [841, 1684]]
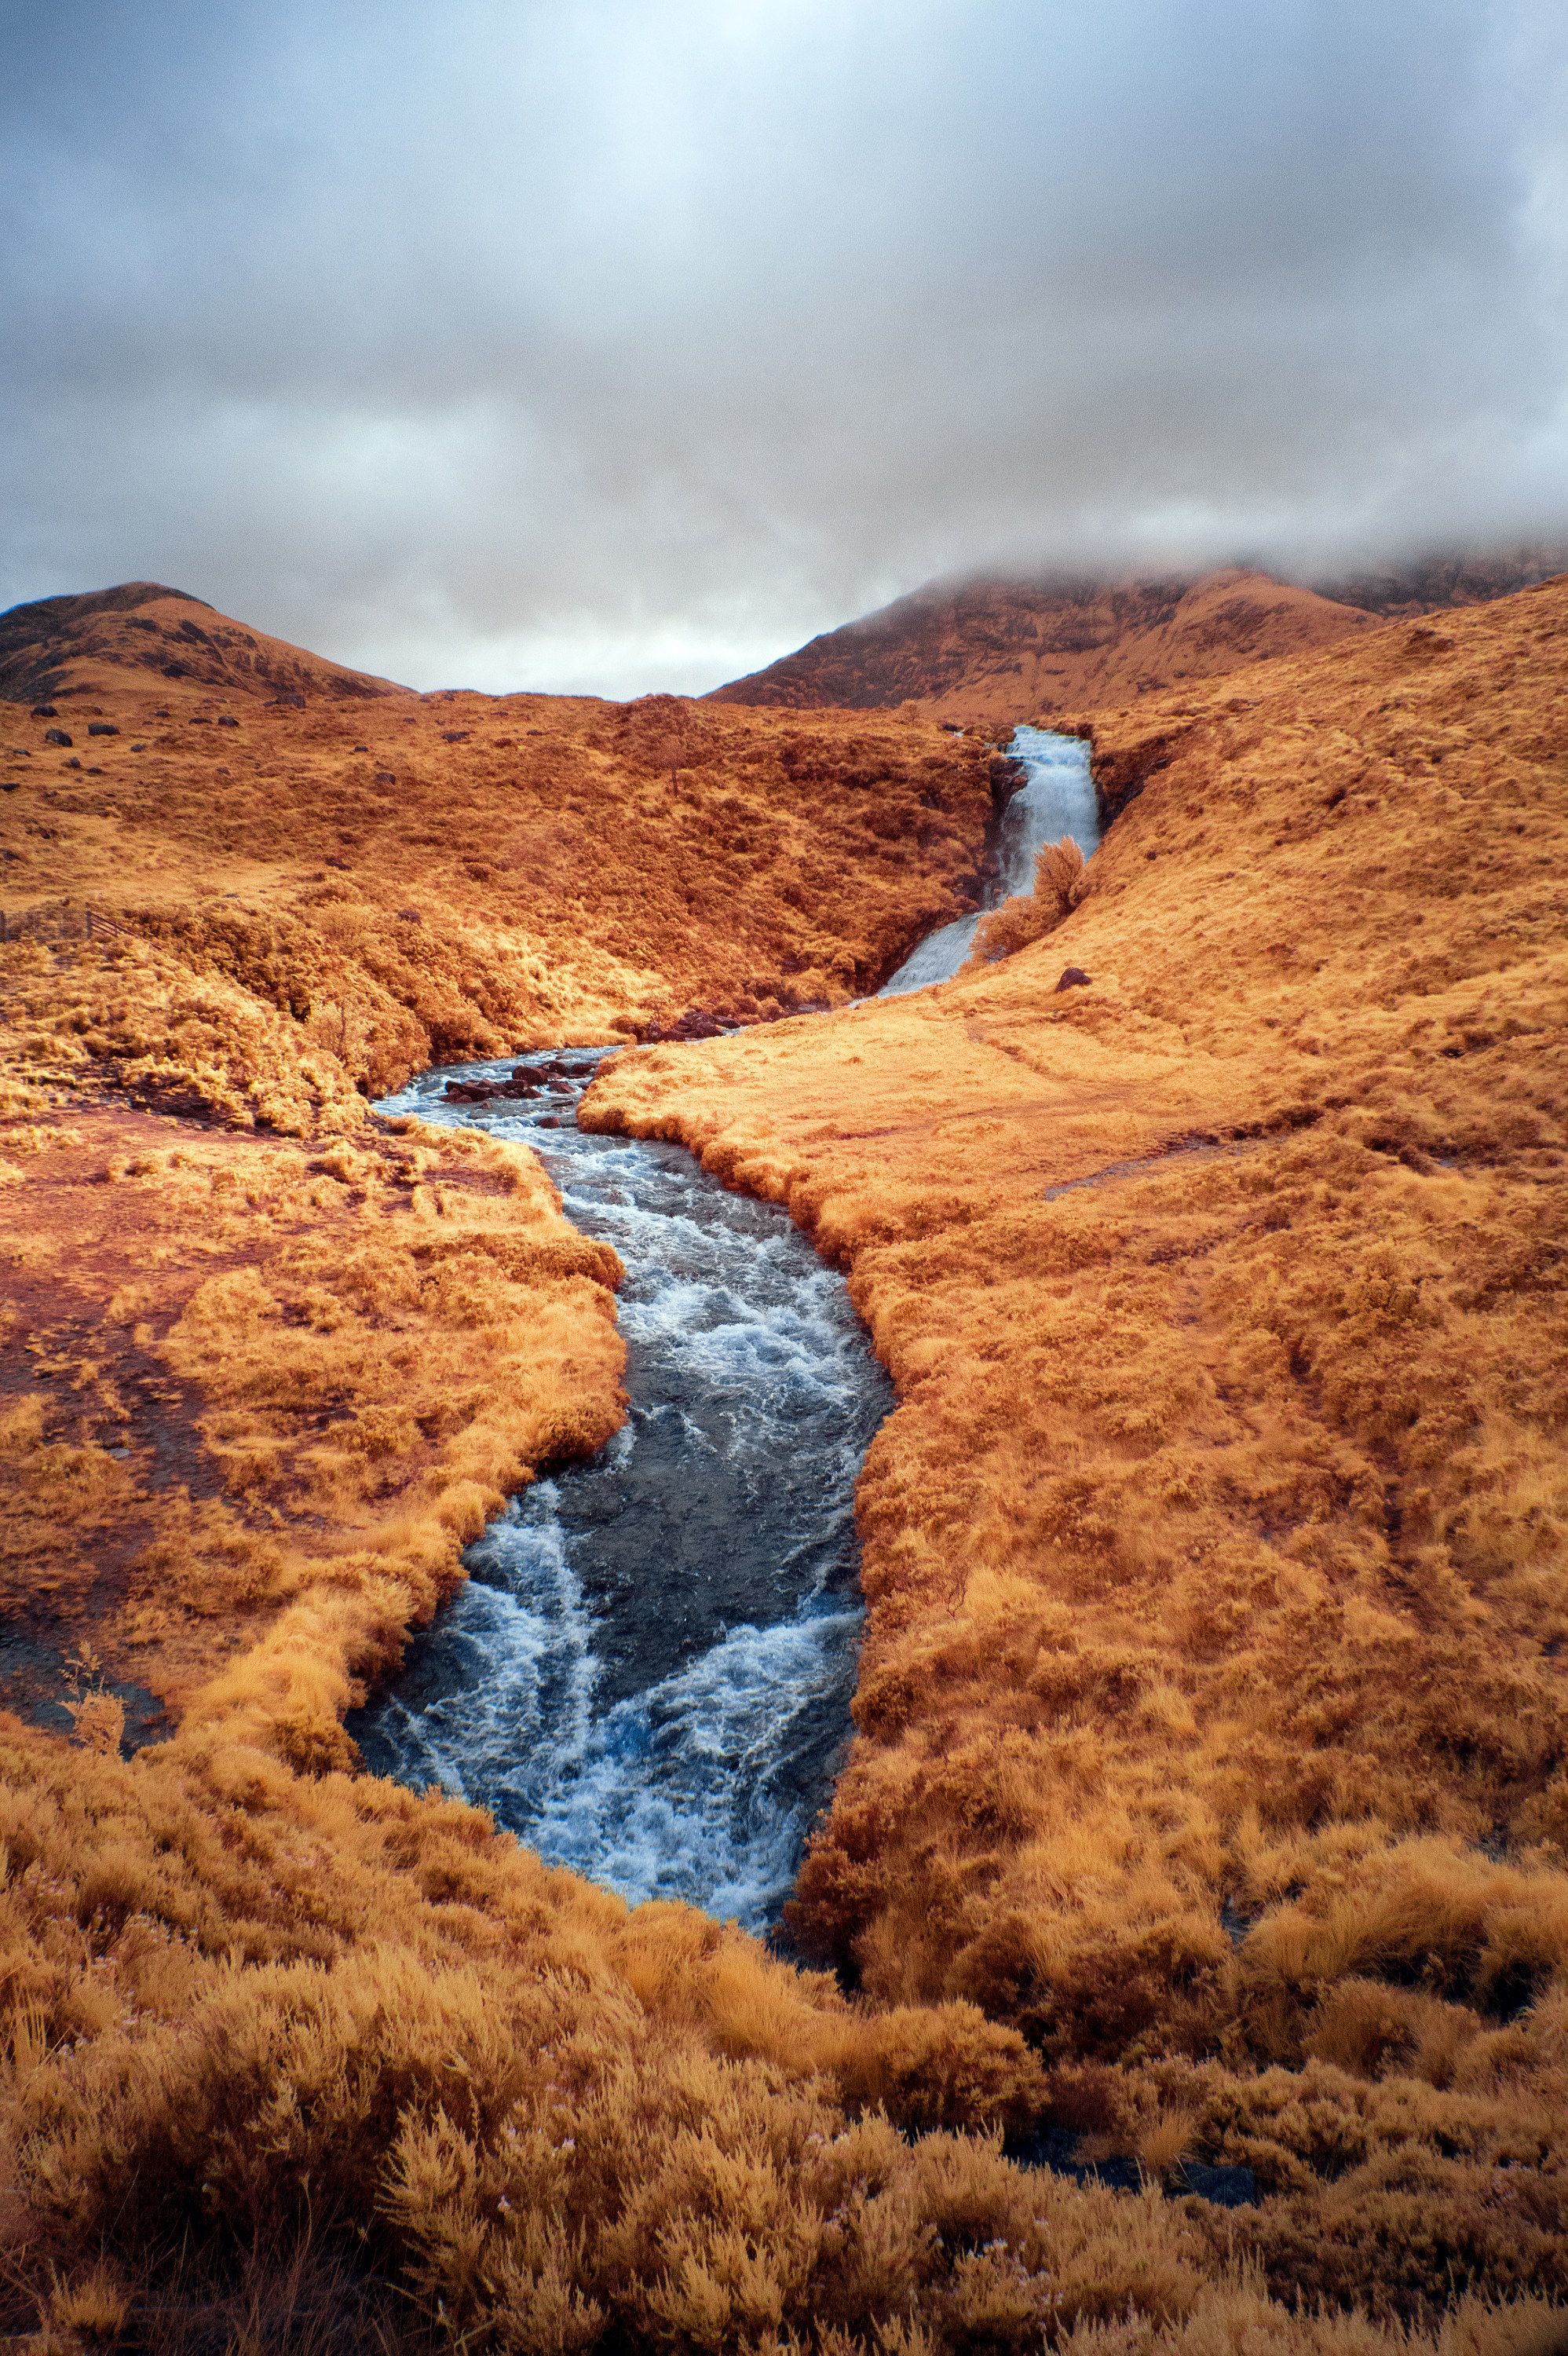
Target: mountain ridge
[[979, 650]]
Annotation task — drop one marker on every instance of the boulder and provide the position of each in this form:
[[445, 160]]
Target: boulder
[[1073, 978]]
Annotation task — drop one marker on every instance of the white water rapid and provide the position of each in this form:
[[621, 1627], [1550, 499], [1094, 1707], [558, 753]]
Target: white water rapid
[[647, 1674], [1057, 799]]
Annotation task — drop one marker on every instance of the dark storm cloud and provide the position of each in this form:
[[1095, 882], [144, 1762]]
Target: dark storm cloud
[[619, 345]]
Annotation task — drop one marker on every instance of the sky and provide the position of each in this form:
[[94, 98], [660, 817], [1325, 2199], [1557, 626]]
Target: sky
[[615, 345]]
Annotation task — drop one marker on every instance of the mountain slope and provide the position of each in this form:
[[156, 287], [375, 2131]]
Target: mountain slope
[[142, 634], [996, 650], [999, 651]]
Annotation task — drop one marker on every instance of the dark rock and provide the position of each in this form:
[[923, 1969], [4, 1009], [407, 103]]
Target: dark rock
[[385, 777], [73, 762], [56, 736], [560, 1089], [697, 1022], [548, 1120], [227, 722], [409, 917], [340, 863], [200, 720], [1227, 2187], [469, 1092], [10, 785], [1073, 978], [43, 711], [101, 728]]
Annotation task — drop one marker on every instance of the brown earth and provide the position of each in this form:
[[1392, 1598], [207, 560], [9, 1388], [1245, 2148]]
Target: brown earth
[[989, 651], [1209, 1798]]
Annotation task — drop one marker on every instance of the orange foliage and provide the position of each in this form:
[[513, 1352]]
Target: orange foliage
[[1209, 1799], [1216, 1552]]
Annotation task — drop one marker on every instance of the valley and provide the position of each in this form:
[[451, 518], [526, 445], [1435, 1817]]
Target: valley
[[1207, 1807]]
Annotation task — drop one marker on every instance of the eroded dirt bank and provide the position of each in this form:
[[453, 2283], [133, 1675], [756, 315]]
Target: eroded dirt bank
[[1215, 1705]]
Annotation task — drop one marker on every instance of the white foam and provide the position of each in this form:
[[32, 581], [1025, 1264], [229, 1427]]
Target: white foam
[[701, 1785], [1056, 799]]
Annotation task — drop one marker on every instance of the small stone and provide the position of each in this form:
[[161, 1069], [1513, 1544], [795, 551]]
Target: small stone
[[10, 785], [43, 711], [101, 728], [56, 736], [409, 917], [385, 777], [1073, 978], [227, 722]]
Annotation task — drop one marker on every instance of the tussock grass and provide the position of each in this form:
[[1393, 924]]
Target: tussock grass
[[1208, 1796], [1213, 1722]]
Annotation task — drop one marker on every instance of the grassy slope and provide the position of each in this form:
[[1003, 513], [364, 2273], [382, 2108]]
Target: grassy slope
[[246, 1992], [487, 873], [1214, 1708]]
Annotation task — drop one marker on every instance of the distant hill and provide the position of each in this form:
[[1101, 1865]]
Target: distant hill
[[980, 651], [143, 633]]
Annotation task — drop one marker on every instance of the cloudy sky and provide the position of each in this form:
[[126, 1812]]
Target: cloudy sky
[[616, 344]]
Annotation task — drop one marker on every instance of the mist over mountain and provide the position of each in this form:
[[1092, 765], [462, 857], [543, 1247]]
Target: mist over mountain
[[994, 650]]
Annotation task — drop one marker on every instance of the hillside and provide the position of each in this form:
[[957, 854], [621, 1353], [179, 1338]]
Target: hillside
[[1207, 1807], [143, 636], [1214, 1703], [981, 651], [988, 651]]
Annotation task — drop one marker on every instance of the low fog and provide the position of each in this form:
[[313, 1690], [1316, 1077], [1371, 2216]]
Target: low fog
[[615, 347]]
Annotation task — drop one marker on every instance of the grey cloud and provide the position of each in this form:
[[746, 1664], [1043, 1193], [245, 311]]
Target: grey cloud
[[627, 345]]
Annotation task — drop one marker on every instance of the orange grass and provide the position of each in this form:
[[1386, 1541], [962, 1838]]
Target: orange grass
[[319, 1375], [1215, 1553], [1209, 1798], [249, 2008]]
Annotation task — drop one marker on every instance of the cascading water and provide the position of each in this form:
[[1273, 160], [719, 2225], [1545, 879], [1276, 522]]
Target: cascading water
[[647, 1674], [650, 1667], [1057, 799]]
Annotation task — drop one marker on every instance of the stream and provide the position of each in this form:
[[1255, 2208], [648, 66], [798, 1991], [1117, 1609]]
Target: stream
[[647, 1673], [1057, 799]]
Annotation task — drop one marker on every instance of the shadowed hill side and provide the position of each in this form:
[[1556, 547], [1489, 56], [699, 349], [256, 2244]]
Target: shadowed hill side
[[1437, 583], [142, 634], [995, 651], [1213, 1705]]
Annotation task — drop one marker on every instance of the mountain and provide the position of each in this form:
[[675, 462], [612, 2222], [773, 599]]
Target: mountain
[[996, 650], [143, 633], [979, 650]]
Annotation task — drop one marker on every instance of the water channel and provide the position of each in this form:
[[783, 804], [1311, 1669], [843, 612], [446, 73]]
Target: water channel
[[647, 1674]]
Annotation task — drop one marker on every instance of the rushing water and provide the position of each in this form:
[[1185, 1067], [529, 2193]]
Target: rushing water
[[1057, 799], [649, 1669]]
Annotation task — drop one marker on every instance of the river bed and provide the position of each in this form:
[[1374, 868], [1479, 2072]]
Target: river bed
[[648, 1672]]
